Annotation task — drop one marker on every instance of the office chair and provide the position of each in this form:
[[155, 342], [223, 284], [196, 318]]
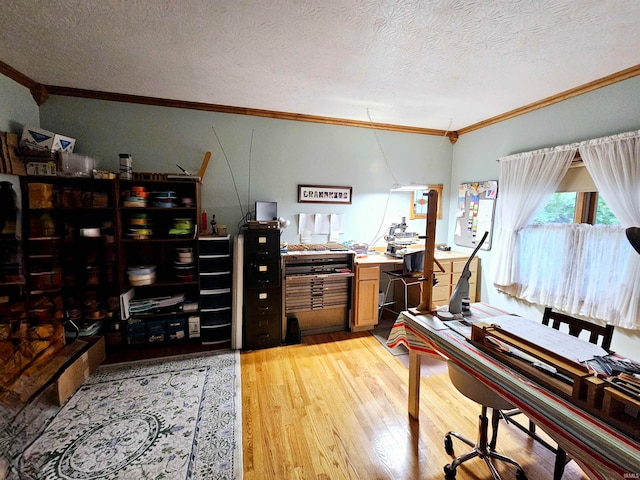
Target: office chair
[[411, 274], [477, 391], [598, 335]]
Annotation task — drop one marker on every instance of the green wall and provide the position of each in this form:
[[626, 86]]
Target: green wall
[[17, 107], [283, 155], [606, 111]]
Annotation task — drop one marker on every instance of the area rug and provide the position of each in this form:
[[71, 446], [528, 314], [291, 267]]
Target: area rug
[[171, 418]]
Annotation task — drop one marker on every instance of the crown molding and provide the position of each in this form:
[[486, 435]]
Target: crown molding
[[41, 92], [560, 97]]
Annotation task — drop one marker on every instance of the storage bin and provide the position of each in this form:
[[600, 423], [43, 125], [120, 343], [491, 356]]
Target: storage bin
[[75, 165], [156, 326], [176, 328], [215, 298]]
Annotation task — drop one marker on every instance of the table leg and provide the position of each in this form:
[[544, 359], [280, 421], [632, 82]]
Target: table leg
[[414, 384]]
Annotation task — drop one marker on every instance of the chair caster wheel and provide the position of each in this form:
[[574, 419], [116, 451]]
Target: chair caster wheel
[[448, 445], [449, 474], [520, 475]]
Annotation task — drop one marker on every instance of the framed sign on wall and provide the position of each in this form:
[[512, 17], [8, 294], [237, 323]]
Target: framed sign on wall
[[324, 194]]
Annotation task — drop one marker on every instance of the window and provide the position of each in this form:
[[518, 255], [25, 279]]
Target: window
[[419, 205], [577, 201]]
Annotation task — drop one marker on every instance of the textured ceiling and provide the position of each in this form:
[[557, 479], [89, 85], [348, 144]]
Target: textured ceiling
[[441, 64]]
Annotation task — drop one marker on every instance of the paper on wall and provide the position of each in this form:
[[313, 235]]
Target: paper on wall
[[336, 227], [485, 216], [306, 224], [322, 223]]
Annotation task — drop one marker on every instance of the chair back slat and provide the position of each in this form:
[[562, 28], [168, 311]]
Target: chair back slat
[[598, 334]]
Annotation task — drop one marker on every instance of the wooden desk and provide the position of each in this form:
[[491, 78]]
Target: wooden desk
[[602, 451], [367, 285]]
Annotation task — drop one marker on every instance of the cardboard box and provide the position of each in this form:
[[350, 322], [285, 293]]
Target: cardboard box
[[35, 138], [75, 373], [63, 144], [41, 169]]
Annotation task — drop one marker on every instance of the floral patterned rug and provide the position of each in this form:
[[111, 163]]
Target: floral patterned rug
[[177, 418]]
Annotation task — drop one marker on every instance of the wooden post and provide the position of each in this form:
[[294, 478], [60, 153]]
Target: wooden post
[[426, 304]]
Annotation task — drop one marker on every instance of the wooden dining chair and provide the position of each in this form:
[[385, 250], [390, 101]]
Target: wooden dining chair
[[598, 335]]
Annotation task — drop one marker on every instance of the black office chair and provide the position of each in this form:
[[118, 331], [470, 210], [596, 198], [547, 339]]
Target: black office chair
[[484, 448], [598, 335], [411, 274]]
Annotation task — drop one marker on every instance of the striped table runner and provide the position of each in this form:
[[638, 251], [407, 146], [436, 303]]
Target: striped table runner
[[602, 451]]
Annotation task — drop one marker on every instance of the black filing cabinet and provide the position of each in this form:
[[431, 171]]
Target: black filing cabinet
[[262, 325], [214, 261]]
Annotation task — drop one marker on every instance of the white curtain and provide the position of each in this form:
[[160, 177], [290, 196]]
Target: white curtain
[[527, 181], [614, 164], [572, 267]]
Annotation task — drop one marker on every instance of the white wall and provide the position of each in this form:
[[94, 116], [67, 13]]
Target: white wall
[[606, 111]]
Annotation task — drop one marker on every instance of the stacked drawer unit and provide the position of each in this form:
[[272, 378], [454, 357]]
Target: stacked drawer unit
[[262, 325], [215, 289], [318, 290]]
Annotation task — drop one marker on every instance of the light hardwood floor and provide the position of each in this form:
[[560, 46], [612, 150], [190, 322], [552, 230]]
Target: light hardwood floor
[[335, 407]]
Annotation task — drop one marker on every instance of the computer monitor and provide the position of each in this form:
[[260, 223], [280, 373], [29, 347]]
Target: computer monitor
[[266, 211]]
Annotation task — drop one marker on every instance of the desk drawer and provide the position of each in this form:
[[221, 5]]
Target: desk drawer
[[368, 273], [441, 294], [458, 265]]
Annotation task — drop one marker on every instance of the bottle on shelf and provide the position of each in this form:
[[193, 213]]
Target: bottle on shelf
[[203, 223]]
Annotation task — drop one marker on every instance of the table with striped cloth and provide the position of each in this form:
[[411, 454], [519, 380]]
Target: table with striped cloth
[[602, 451]]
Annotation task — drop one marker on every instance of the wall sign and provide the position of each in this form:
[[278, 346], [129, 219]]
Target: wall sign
[[323, 194], [474, 213]]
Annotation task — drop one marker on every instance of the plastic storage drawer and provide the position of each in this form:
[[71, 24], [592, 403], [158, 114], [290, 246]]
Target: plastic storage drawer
[[215, 334], [215, 263], [217, 317], [215, 298], [213, 245], [215, 280]]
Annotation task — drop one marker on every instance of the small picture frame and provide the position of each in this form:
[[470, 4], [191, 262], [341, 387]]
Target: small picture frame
[[418, 204], [324, 194]]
